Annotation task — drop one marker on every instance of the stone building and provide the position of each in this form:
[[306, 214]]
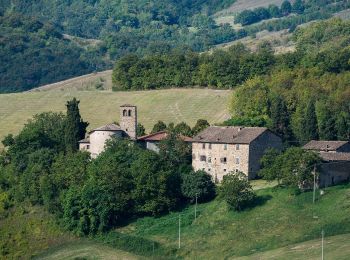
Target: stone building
[[151, 141], [335, 166], [220, 150], [328, 146], [97, 138]]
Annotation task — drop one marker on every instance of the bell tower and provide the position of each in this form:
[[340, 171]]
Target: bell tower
[[128, 120]]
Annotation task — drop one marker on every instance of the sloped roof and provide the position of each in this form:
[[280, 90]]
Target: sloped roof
[[86, 140], [108, 127], [127, 105], [335, 156], [229, 134], [159, 136], [324, 145]]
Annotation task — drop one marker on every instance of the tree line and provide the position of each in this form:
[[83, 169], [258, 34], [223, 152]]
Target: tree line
[[248, 17], [300, 95]]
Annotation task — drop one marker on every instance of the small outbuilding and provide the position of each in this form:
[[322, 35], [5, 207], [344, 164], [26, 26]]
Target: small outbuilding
[[335, 166], [151, 141]]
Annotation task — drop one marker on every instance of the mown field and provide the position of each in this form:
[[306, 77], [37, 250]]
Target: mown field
[[102, 107]]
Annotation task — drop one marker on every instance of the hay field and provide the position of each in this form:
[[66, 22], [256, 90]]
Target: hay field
[[102, 107]]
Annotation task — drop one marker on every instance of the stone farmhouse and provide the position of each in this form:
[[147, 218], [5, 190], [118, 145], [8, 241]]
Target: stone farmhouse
[[335, 155], [220, 150]]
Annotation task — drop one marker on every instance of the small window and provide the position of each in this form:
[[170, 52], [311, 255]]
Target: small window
[[237, 147], [224, 170], [209, 146], [237, 160], [209, 159], [209, 169], [88, 147], [203, 158], [125, 112], [225, 146], [223, 160], [203, 146], [129, 113]]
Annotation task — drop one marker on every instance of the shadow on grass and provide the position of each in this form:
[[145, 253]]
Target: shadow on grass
[[259, 201]]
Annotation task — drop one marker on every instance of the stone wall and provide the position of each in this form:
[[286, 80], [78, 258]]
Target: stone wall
[[257, 149], [84, 147], [128, 121], [237, 157], [334, 172], [98, 141]]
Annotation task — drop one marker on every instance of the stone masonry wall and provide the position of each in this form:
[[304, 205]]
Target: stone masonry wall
[[237, 157], [257, 149], [128, 121]]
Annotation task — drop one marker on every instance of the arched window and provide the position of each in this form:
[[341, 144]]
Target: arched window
[[129, 113], [124, 112]]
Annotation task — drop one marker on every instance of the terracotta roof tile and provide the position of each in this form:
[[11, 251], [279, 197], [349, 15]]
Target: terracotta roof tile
[[86, 140], [108, 127], [159, 136], [229, 134], [324, 145]]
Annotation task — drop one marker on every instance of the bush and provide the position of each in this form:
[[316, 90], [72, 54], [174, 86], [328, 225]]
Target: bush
[[198, 184], [237, 191]]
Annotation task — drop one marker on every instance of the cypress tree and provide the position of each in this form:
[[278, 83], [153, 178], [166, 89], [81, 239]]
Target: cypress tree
[[280, 122], [75, 127], [310, 120]]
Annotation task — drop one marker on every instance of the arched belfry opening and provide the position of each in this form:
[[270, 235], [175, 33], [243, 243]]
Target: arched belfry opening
[[128, 120]]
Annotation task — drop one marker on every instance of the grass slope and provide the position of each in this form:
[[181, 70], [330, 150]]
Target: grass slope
[[241, 5], [85, 250], [102, 107], [279, 219], [335, 247], [100, 80], [27, 230]]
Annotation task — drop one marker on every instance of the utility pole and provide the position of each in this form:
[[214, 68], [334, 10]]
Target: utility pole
[[195, 208], [322, 242], [179, 231], [314, 195]]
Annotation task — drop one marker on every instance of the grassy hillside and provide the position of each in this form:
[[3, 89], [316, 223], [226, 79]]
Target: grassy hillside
[[85, 250], [95, 81], [27, 230], [241, 5], [102, 107], [279, 219], [335, 247]]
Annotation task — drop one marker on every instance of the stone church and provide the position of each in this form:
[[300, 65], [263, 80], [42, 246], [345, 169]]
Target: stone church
[[96, 140]]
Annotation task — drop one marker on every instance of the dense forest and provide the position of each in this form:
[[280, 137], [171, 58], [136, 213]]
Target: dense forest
[[286, 92], [120, 28], [33, 53]]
